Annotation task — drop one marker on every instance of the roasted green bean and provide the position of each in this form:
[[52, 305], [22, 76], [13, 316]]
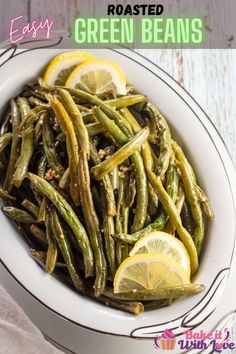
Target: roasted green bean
[[69, 216], [125, 101], [79, 126], [26, 145], [159, 294], [52, 247], [141, 178], [164, 136], [18, 215], [50, 150], [109, 232], [32, 116], [106, 182], [71, 143], [65, 248], [92, 224], [5, 140], [171, 210], [4, 194], [31, 207], [39, 234], [15, 146], [120, 156]]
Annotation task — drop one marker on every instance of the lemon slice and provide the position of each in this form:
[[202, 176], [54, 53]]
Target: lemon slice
[[149, 271], [163, 243], [62, 65], [98, 76]]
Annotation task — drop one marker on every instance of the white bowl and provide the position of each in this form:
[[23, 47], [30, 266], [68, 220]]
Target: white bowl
[[206, 151]]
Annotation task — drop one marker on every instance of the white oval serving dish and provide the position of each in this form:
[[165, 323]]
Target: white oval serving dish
[[205, 149]]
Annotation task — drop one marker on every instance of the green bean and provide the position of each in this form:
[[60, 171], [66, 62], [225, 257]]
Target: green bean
[[31, 207], [159, 294], [41, 256], [79, 126], [146, 149], [133, 307], [172, 212], [153, 200], [5, 124], [92, 224], [15, 146], [89, 117], [42, 166], [109, 111], [171, 189], [39, 234], [38, 196], [111, 127], [114, 177], [120, 156], [201, 195], [120, 227], [141, 178], [94, 129], [125, 101], [157, 225], [192, 198], [125, 217], [69, 216], [50, 150], [170, 227], [52, 247], [71, 143], [61, 137], [132, 190], [125, 112], [18, 215], [65, 248], [180, 156], [5, 140], [164, 139], [106, 182], [35, 92], [141, 194], [65, 179], [187, 218], [83, 108], [26, 145], [42, 210], [96, 197], [37, 102], [172, 180], [31, 117], [38, 128], [204, 201], [109, 231], [4, 194]]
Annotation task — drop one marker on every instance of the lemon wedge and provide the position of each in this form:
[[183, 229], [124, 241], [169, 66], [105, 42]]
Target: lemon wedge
[[98, 76], [149, 271], [60, 67], [166, 244]]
